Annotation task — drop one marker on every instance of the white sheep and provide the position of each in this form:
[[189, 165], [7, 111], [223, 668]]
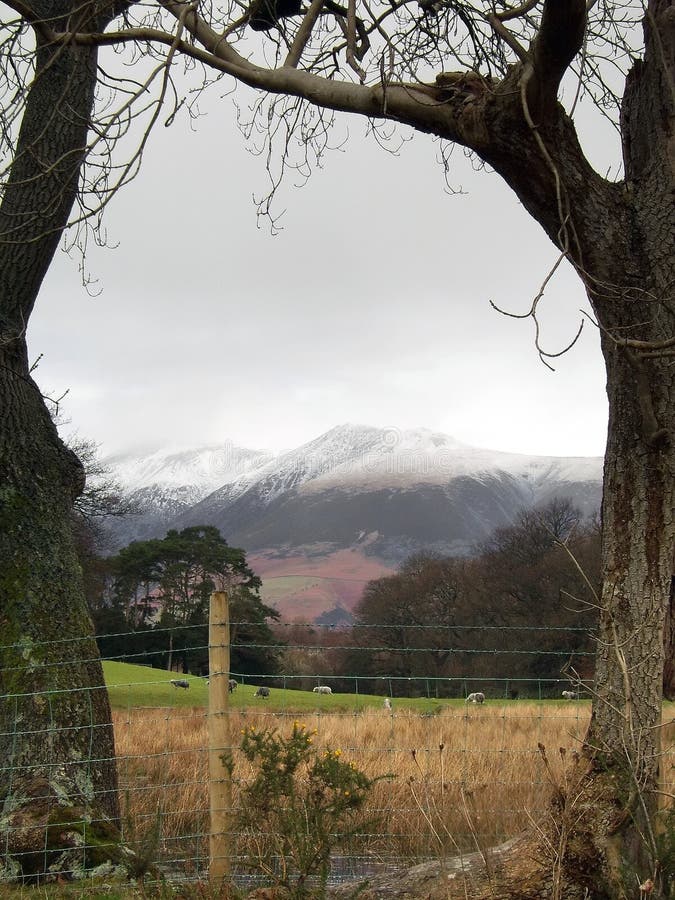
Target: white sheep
[[476, 697], [322, 689], [569, 695], [387, 703]]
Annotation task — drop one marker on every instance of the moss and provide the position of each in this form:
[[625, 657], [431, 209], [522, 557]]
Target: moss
[[10, 870], [14, 574], [50, 837], [70, 827], [74, 846], [665, 843], [48, 665], [45, 678]]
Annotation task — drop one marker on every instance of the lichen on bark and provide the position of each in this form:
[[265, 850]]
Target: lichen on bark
[[56, 738]]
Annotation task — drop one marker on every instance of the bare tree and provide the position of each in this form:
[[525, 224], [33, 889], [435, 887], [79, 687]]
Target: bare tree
[[483, 75]]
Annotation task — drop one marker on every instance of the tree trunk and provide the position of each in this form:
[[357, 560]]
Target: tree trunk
[[56, 740], [58, 786], [621, 239], [669, 645], [635, 648]]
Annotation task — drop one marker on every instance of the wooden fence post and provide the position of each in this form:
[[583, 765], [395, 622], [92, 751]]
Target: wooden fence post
[[220, 777]]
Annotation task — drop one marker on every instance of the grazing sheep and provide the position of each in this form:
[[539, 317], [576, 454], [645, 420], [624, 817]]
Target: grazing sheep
[[232, 685], [180, 682], [322, 689], [387, 703], [476, 697], [568, 695], [262, 692]]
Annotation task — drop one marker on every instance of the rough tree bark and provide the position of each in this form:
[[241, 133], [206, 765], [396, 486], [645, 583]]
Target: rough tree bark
[[58, 789]]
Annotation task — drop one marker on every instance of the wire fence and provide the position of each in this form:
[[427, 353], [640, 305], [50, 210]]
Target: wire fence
[[458, 763]]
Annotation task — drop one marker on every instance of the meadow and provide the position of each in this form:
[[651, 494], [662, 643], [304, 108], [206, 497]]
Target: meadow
[[464, 777], [132, 686]]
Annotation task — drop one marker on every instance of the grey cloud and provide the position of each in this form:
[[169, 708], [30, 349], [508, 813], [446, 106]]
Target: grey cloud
[[371, 305]]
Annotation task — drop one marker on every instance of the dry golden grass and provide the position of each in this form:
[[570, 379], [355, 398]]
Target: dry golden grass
[[469, 773], [467, 778]]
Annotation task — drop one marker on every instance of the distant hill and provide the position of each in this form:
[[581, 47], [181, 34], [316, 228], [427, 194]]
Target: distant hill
[[319, 521]]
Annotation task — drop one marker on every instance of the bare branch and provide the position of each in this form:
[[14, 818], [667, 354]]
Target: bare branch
[[304, 33], [209, 39], [26, 12], [351, 40], [517, 11], [558, 41], [532, 313], [507, 37]]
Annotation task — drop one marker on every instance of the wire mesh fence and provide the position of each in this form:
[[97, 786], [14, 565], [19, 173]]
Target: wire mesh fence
[[457, 763]]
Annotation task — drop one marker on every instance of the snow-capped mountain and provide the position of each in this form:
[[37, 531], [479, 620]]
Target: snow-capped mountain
[[166, 482], [203, 469], [356, 456], [383, 491]]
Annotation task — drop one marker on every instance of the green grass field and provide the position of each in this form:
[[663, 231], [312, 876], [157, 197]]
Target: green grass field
[[132, 686]]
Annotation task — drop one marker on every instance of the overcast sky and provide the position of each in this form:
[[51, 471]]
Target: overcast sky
[[371, 306]]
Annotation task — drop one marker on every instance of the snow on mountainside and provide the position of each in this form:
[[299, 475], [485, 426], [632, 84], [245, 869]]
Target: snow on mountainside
[[340, 448], [354, 457], [201, 469], [167, 482], [347, 456], [353, 478], [319, 520]]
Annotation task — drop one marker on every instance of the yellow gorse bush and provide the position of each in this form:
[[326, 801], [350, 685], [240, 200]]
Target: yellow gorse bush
[[299, 805]]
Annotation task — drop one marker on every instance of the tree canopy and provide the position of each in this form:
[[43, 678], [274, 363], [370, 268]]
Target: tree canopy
[[518, 615], [156, 607]]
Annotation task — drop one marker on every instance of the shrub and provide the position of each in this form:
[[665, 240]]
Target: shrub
[[300, 805]]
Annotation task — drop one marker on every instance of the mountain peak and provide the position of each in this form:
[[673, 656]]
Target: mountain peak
[[202, 468], [324, 517]]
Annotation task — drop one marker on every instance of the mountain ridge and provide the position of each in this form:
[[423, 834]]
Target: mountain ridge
[[381, 494]]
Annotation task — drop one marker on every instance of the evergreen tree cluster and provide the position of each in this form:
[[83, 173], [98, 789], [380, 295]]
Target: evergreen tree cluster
[[151, 606]]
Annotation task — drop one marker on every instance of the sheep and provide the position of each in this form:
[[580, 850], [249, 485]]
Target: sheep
[[232, 685], [387, 703], [180, 682], [322, 689], [262, 692], [476, 697], [569, 695]]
